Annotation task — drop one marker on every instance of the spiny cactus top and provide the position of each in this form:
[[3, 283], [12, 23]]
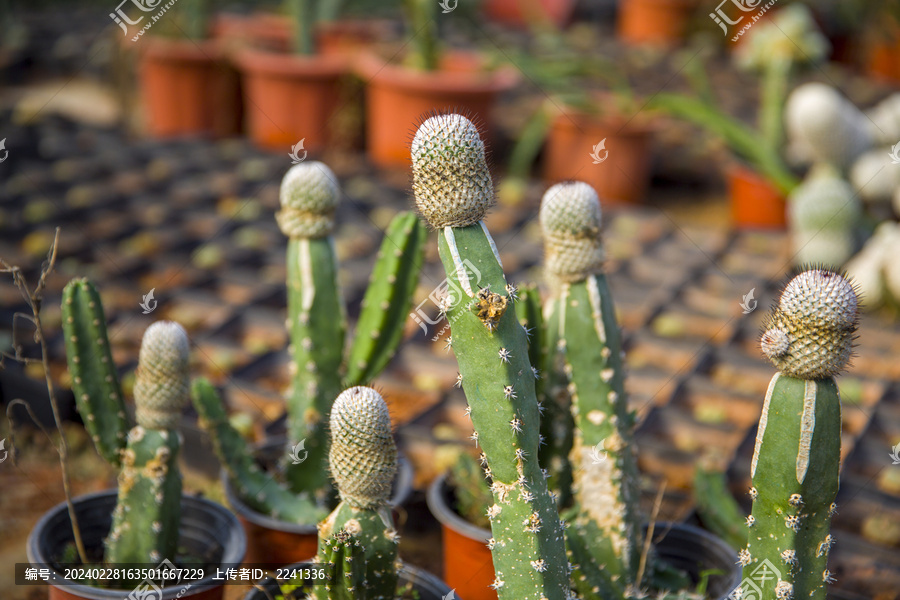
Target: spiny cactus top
[[570, 218], [451, 181], [810, 333], [363, 455], [309, 196], [162, 384]]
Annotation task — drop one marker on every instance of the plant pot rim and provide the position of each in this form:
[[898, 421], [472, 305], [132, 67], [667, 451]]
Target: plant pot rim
[[200, 51], [415, 575], [233, 549], [378, 70], [283, 64], [634, 126], [444, 513], [402, 491]]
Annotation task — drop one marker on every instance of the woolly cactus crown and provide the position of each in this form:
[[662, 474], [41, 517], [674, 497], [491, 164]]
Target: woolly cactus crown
[[451, 181], [162, 383], [363, 455], [810, 333], [570, 219], [309, 196], [826, 126]]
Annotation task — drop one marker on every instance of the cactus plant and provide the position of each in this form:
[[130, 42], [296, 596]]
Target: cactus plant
[[607, 525], [453, 190], [808, 338], [358, 541]]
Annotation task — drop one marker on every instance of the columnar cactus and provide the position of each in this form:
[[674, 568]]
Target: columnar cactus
[[453, 190], [606, 533], [809, 338], [316, 313], [358, 540], [148, 511]]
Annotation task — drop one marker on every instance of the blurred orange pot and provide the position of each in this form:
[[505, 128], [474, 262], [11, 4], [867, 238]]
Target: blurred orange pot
[[520, 12], [659, 22], [755, 202]]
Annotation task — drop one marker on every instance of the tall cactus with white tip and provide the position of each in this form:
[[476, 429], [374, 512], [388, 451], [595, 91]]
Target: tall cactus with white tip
[[795, 467], [148, 511], [453, 190], [606, 533], [358, 540]]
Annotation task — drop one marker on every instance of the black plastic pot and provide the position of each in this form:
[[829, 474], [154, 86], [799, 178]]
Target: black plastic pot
[[278, 542], [682, 546], [427, 585], [208, 530]]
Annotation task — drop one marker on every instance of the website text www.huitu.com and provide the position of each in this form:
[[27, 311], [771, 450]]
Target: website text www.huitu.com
[[123, 20], [722, 19]]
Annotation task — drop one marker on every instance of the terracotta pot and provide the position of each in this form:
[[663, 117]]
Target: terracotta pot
[[279, 543], [205, 527], [755, 202], [519, 13], [349, 38], [188, 88], [622, 177], [424, 584], [260, 30], [290, 97], [398, 97], [883, 60], [658, 22]]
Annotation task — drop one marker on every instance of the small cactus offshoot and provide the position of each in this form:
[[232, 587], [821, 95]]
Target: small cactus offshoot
[[809, 338]]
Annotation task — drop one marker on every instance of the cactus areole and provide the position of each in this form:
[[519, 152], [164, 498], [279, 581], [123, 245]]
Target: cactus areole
[[453, 190], [809, 338]]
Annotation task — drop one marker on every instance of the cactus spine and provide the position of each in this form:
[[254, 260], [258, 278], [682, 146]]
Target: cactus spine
[[607, 530], [95, 384], [809, 338], [148, 511], [453, 190], [358, 540], [317, 316]]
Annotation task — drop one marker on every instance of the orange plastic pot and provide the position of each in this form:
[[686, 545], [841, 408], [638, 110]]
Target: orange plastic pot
[[468, 566], [755, 202], [289, 98], [349, 38], [261, 30], [398, 97], [188, 88], [655, 22], [623, 173], [519, 13]]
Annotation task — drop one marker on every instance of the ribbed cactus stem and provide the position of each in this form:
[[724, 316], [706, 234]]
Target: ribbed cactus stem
[[316, 317], [359, 539], [453, 190], [95, 384], [148, 510], [796, 460], [589, 346]]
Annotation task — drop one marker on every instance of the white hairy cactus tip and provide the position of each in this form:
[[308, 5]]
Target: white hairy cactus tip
[[828, 127], [309, 195], [363, 455], [810, 334], [570, 218], [162, 382], [451, 181]]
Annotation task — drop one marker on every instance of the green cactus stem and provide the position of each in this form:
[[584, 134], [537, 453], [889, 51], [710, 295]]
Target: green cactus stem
[[796, 460], [260, 490], [95, 384], [606, 479], [358, 540], [453, 190], [148, 510], [316, 317]]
